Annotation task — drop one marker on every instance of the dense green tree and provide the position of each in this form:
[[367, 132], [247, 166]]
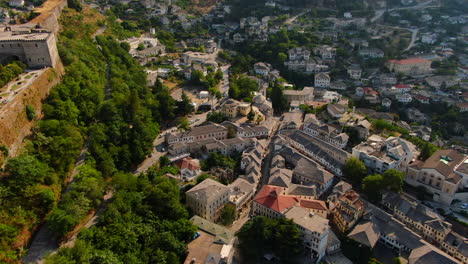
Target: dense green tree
[[145, 223], [242, 88], [10, 71], [216, 159], [228, 215], [372, 186], [219, 74], [184, 106], [393, 180], [26, 170], [166, 104], [262, 235], [164, 161], [354, 170], [202, 177], [141, 46], [306, 109], [184, 124], [196, 77], [427, 151], [216, 117], [47, 199], [277, 99], [62, 222]]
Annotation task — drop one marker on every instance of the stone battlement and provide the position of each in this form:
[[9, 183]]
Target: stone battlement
[[49, 12], [34, 43]]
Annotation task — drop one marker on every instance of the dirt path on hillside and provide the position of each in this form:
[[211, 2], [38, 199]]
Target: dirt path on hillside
[[45, 240]]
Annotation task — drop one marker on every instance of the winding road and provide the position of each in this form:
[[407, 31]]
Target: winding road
[[292, 19], [414, 32]]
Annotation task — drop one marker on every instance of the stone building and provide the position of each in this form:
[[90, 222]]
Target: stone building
[[216, 131], [381, 154], [304, 95], [348, 209], [411, 67], [207, 198], [441, 174], [33, 45], [322, 80]]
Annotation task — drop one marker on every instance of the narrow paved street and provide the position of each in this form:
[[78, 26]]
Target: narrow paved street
[[267, 160], [243, 218], [224, 89], [159, 146], [414, 34]]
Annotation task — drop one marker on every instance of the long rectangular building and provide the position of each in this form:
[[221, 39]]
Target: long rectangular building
[[328, 155], [215, 131]]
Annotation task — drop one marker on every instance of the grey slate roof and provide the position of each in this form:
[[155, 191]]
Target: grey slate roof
[[302, 190], [427, 254]]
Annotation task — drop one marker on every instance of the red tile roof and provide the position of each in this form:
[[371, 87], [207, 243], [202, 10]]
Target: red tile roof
[[402, 86], [369, 91], [462, 105], [187, 163], [410, 61], [421, 97], [353, 198], [271, 197]]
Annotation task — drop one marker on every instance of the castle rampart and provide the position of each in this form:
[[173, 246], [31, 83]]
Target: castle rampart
[[35, 47], [34, 43]]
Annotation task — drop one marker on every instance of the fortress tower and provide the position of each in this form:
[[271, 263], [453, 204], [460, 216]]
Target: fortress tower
[[33, 45]]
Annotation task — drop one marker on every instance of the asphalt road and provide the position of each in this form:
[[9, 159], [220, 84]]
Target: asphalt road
[[160, 148], [267, 160]]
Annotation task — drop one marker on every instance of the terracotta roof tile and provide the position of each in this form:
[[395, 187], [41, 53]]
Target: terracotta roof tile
[[271, 197]]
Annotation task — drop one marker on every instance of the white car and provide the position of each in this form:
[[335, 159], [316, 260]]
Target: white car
[[464, 206]]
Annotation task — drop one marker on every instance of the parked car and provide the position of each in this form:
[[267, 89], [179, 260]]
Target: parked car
[[197, 234], [464, 206]]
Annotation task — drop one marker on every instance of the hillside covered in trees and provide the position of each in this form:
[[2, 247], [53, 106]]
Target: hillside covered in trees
[[103, 104]]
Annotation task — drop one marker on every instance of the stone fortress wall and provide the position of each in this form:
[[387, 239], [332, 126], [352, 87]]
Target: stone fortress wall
[[39, 50], [49, 14], [36, 53], [34, 43]]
